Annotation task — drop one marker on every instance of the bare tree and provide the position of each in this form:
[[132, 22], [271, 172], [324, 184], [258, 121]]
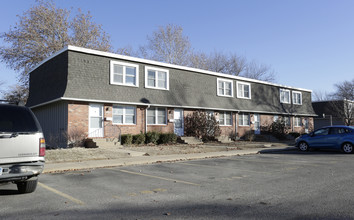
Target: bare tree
[[88, 34], [167, 44], [255, 70], [17, 94], [219, 62], [45, 29], [319, 96], [343, 101]]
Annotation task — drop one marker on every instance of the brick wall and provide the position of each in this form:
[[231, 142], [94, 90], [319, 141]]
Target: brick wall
[[78, 117]]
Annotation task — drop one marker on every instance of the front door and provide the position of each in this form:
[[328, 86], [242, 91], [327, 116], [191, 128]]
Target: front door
[[96, 120], [257, 124], [306, 122], [179, 122]]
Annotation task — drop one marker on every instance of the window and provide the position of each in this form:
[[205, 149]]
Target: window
[[244, 119], [297, 122], [124, 74], [275, 118], [156, 116], [156, 78], [225, 118], [225, 87], [287, 121], [124, 115], [297, 98], [322, 131], [285, 96], [243, 90]]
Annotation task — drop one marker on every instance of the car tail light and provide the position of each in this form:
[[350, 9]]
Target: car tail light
[[41, 147]]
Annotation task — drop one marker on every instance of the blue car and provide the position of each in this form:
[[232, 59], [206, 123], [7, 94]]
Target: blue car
[[332, 137]]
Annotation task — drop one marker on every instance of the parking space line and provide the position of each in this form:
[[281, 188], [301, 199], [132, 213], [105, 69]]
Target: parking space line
[[61, 194], [158, 177]]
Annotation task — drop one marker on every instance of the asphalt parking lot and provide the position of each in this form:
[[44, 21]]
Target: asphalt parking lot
[[282, 185]]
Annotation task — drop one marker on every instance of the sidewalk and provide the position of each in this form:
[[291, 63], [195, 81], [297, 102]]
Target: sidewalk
[[137, 159]]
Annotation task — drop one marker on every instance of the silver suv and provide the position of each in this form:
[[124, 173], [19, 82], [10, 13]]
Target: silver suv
[[22, 147]]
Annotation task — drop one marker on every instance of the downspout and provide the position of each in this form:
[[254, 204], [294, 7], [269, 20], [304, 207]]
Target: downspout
[[146, 118]]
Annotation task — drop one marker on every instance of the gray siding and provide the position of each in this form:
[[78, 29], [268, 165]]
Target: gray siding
[[54, 122], [48, 81], [88, 78]]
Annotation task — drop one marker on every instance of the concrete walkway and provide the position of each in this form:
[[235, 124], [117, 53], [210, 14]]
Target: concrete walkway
[[136, 159]]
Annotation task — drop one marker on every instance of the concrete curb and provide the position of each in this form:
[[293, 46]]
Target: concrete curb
[[141, 160]]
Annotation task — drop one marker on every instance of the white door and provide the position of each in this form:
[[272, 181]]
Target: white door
[[179, 122], [96, 120], [257, 124], [306, 122]]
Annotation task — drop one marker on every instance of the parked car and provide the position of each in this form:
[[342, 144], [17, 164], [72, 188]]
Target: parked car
[[331, 137], [22, 147]]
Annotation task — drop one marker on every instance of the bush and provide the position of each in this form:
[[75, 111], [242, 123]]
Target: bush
[[167, 138], [75, 137], [201, 125], [139, 138], [127, 139], [279, 129], [152, 137], [249, 136]]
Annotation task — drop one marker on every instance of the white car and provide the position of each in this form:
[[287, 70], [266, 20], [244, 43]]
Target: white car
[[22, 147]]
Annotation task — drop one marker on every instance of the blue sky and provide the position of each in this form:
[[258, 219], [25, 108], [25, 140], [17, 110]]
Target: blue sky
[[308, 43]]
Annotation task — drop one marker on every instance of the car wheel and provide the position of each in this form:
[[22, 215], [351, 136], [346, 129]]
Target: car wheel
[[303, 146], [27, 186], [347, 148]]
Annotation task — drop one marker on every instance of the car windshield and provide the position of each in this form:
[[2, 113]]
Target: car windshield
[[16, 119]]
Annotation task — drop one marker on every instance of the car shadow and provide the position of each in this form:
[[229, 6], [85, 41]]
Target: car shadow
[[8, 192], [294, 150]]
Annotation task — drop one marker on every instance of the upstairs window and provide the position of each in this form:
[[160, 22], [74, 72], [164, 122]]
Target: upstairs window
[[297, 98], [243, 90], [124, 74], [225, 87], [156, 116], [156, 78], [225, 118], [244, 119], [285, 96], [124, 115]]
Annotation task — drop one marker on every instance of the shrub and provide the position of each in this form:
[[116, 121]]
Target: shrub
[[127, 139], [201, 125], [167, 138], [249, 136], [75, 137], [152, 137], [139, 138], [279, 129]]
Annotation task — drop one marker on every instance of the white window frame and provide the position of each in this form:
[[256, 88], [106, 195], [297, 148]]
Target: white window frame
[[242, 96], [113, 62], [285, 90], [225, 81], [147, 68], [156, 115], [294, 97], [297, 122], [241, 117], [224, 115], [124, 114], [287, 119], [275, 118]]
